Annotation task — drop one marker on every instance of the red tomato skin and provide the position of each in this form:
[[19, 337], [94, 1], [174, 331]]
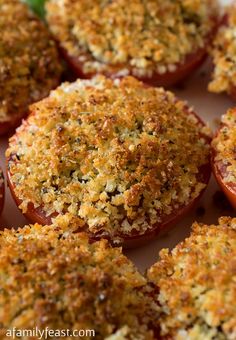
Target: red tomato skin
[[2, 192]]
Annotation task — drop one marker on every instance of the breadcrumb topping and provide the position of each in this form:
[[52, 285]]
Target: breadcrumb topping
[[197, 284], [29, 66], [115, 155], [224, 146], [59, 280], [145, 36], [224, 55]]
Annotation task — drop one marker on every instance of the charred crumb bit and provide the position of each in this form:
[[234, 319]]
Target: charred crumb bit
[[146, 36], [50, 274], [118, 170], [30, 66], [60, 128], [196, 284]]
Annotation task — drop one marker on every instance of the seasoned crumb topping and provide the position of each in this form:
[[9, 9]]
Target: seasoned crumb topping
[[115, 155], [61, 281], [197, 283], [29, 66], [147, 36], [225, 146], [224, 55]]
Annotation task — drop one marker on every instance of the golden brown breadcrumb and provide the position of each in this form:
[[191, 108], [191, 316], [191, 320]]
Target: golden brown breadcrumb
[[147, 36], [224, 145], [58, 280], [29, 65], [116, 155], [197, 284], [224, 55]]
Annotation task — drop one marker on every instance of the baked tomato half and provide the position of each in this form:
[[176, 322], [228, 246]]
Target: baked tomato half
[[187, 284], [180, 71], [88, 279], [126, 173], [30, 65], [158, 42], [223, 156], [222, 53]]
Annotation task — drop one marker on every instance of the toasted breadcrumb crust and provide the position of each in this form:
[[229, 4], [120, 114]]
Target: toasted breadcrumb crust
[[197, 284], [224, 145], [58, 280], [115, 155], [29, 66], [147, 36], [224, 55]]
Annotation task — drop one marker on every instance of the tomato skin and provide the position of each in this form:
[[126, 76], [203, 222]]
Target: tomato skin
[[2, 191], [219, 172], [37, 215], [232, 93], [229, 189]]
